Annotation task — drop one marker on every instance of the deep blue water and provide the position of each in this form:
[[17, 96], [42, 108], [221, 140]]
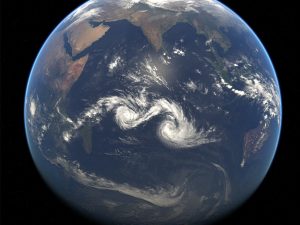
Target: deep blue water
[[150, 162]]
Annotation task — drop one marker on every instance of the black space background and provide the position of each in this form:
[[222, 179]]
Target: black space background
[[25, 198]]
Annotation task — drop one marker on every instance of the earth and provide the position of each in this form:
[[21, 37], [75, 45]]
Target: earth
[[153, 111]]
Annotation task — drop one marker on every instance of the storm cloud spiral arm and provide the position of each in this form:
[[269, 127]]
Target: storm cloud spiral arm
[[175, 128]]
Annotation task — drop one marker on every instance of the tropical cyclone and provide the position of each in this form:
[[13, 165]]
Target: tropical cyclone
[[176, 130]]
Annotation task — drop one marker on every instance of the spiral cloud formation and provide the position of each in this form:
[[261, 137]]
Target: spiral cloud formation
[[175, 129]]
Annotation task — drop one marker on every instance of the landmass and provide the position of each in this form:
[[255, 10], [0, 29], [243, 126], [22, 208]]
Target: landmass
[[253, 141], [155, 21], [66, 67], [73, 72], [83, 35], [62, 69]]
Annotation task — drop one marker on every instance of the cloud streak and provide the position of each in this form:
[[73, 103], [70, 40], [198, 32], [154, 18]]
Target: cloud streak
[[159, 196]]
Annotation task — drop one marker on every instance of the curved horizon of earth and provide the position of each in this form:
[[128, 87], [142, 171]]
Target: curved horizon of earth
[[153, 112]]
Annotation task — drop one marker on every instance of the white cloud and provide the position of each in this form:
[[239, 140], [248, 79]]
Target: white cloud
[[191, 86], [179, 132], [32, 107], [152, 74], [67, 136], [166, 196], [178, 51], [114, 63], [227, 186]]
